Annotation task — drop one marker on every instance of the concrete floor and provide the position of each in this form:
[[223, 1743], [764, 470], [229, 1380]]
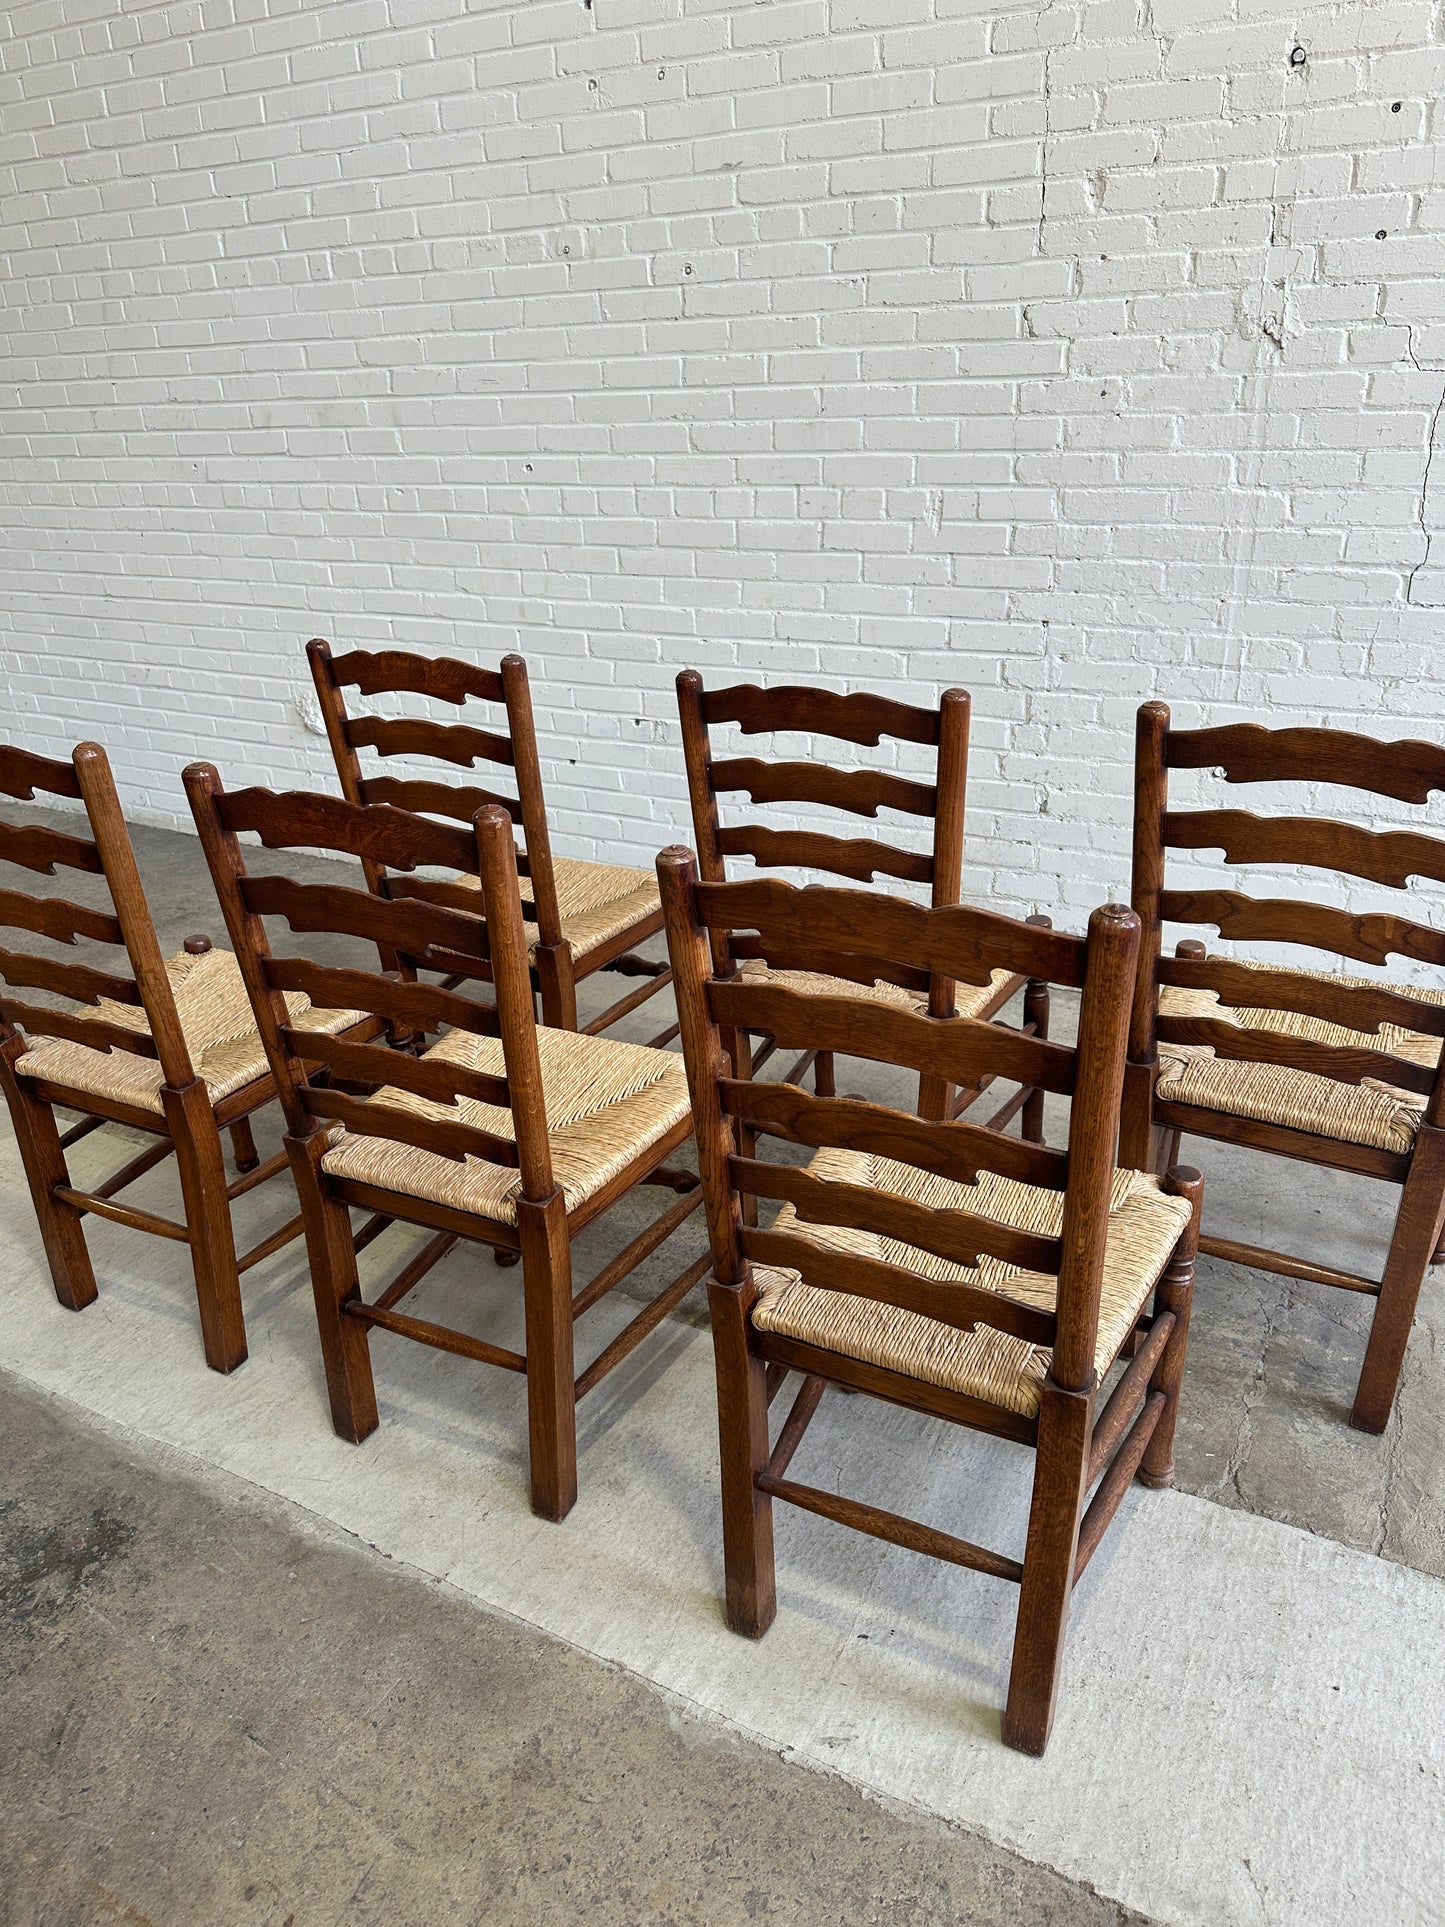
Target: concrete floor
[[129, 1616], [218, 1710]]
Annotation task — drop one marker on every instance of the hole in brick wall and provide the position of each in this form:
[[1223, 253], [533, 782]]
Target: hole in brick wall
[[1397, 106], [1297, 56], [1380, 233]]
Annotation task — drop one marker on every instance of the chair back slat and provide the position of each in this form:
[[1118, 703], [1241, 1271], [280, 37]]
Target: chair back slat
[[1250, 753], [986, 1226], [444, 1083], [975, 943], [960, 1236], [458, 743], [830, 963], [58, 918], [22, 773], [1343, 1064], [429, 936], [855, 857], [33, 846], [958, 1151], [858, 718], [383, 671], [299, 819], [1390, 857], [461, 800], [447, 1140], [80, 981], [411, 1006], [863, 792], [1371, 939], [958, 1304], [1354, 1006], [39, 1020], [960, 1049]]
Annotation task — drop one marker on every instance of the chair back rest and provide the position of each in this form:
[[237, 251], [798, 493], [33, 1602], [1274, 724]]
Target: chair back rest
[[107, 853], [390, 672], [731, 1113], [1248, 753], [415, 931]]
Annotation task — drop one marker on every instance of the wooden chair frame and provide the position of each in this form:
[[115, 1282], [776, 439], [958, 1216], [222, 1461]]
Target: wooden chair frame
[[189, 1124], [1247, 753], [1080, 1446], [424, 931], [556, 971], [864, 720]]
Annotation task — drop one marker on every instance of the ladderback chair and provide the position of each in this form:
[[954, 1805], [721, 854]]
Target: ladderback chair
[[584, 917], [865, 721], [167, 1046], [987, 1280], [500, 1132], [1334, 1070]]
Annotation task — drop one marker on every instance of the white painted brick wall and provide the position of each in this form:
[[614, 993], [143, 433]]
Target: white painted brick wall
[[1075, 353]]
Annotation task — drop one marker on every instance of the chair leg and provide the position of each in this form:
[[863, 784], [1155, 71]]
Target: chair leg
[[331, 1253], [243, 1145], [1060, 1476], [551, 1381], [62, 1227], [823, 1074], [1175, 1292], [1417, 1235], [557, 985], [751, 1596], [192, 1125]]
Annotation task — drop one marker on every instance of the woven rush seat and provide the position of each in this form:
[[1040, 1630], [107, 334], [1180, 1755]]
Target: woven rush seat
[[1375, 1114], [968, 998], [606, 1103], [1144, 1226], [220, 1033], [597, 901]]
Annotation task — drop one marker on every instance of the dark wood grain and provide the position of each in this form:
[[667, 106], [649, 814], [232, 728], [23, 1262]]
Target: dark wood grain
[[1358, 1007], [297, 819], [379, 672], [456, 743], [377, 1065], [1383, 856], [860, 718], [39, 1020], [58, 918], [960, 941], [22, 772], [459, 800], [1342, 1065], [35, 847], [962, 1306], [418, 1006], [434, 937], [857, 857], [1371, 938], [1249, 753], [958, 1150], [962, 1049], [365, 1118], [80, 981], [863, 792]]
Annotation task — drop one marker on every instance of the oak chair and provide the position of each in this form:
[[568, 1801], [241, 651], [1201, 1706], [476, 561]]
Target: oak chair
[[587, 917], [502, 1132], [1338, 1071], [170, 1049], [988, 1280], [864, 720]]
